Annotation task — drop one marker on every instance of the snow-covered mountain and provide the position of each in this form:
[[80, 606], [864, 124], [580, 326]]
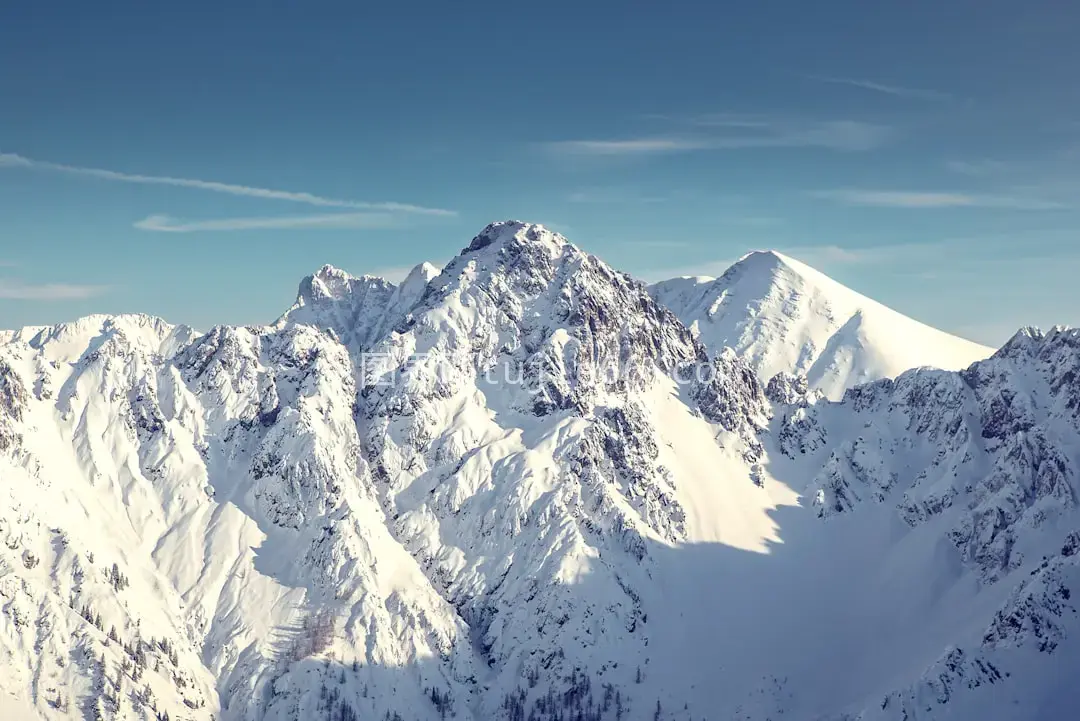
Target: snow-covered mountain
[[520, 488], [782, 315]]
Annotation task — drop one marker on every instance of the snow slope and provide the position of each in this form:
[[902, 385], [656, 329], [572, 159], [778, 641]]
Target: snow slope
[[520, 488], [785, 316]]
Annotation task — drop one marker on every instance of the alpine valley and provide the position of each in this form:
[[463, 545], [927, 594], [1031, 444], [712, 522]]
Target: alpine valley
[[528, 487]]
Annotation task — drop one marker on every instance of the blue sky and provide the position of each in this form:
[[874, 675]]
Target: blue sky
[[195, 160]]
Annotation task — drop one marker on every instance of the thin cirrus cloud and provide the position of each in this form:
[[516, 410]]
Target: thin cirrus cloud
[[18, 290], [916, 199], [631, 146], [612, 196], [979, 168], [167, 224], [894, 90], [17, 161], [15, 289], [839, 135]]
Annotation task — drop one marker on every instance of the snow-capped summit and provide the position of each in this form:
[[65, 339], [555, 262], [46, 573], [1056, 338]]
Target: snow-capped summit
[[784, 316], [328, 282], [505, 231], [417, 279]]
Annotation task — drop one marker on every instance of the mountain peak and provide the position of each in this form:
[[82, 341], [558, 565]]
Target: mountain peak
[[329, 271], [762, 257], [349, 305], [786, 316], [327, 282], [503, 232], [425, 271], [1027, 339], [769, 262]]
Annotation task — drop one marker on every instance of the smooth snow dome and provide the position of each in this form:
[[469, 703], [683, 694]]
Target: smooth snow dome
[[784, 316]]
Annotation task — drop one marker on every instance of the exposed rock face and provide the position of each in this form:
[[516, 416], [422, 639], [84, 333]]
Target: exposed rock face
[[13, 401], [990, 447]]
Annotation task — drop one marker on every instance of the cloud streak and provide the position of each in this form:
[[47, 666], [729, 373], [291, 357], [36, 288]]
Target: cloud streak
[[838, 135], [11, 160], [894, 90], [979, 168], [167, 224], [17, 290], [631, 146], [611, 195], [918, 199]]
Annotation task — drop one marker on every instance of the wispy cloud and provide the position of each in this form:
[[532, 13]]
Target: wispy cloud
[[918, 199], [894, 90], [829, 254], [1039, 246], [18, 290], [1055, 167], [632, 146], [730, 120], [167, 224], [611, 196], [979, 168], [839, 135], [17, 161], [712, 120]]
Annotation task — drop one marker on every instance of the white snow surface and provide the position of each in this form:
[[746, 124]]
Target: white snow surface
[[486, 524], [782, 315]]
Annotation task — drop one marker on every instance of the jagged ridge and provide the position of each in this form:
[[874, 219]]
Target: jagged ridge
[[522, 488]]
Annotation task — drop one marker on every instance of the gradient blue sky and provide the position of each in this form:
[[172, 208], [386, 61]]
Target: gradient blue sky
[[194, 160]]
